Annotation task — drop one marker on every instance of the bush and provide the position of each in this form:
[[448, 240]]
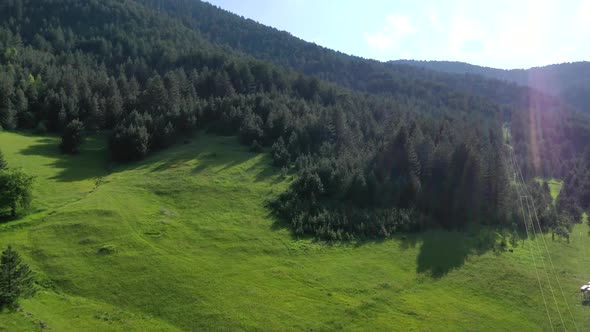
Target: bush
[[106, 250], [15, 190]]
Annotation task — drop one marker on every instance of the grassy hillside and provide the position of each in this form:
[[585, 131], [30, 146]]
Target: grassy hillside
[[555, 186], [183, 241]]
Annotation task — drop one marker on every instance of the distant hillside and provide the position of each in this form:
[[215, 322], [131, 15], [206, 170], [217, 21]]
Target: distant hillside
[[570, 81], [281, 48], [518, 76]]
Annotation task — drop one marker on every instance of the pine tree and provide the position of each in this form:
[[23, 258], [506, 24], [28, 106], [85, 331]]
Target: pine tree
[[8, 116], [251, 128], [96, 117], [222, 85], [7, 110], [155, 97], [3, 163], [174, 97], [22, 104], [62, 119], [131, 95], [16, 279], [280, 154], [131, 141], [72, 137], [114, 105]]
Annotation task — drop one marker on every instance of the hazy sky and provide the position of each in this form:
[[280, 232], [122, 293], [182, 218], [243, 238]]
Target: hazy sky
[[500, 33]]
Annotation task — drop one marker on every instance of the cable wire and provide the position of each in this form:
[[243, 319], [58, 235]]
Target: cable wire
[[531, 251], [546, 247]]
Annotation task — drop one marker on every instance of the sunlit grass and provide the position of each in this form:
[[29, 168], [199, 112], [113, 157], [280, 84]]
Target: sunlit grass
[[554, 186], [183, 241]]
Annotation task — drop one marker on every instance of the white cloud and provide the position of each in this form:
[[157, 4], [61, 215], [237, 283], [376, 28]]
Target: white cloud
[[399, 25], [523, 36], [379, 41], [504, 33], [396, 28], [464, 31], [433, 18]]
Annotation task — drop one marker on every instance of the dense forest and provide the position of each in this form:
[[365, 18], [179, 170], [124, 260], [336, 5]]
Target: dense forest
[[568, 81], [392, 78], [377, 148]]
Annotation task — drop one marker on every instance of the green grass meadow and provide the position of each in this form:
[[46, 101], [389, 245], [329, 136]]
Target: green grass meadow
[[554, 186], [183, 241]]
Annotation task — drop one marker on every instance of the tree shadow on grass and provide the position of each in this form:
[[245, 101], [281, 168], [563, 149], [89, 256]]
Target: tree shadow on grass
[[90, 163], [278, 223], [267, 171], [209, 150], [209, 153], [262, 167], [219, 161], [439, 251], [443, 251]]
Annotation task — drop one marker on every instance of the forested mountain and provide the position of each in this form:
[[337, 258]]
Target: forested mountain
[[377, 148], [247, 36], [568, 81]]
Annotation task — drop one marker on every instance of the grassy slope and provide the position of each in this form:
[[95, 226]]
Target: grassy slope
[[189, 245]]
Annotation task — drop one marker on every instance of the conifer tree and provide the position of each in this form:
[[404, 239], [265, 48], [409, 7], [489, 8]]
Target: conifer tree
[[72, 137], [16, 278], [3, 163]]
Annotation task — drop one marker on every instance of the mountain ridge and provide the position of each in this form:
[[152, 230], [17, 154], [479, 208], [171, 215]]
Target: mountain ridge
[[569, 80]]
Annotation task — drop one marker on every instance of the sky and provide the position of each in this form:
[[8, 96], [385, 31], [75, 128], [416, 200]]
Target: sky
[[503, 34]]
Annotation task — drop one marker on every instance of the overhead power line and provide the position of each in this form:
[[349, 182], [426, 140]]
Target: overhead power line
[[528, 194]]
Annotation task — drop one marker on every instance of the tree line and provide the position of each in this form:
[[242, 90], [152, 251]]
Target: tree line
[[559, 132], [420, 150]]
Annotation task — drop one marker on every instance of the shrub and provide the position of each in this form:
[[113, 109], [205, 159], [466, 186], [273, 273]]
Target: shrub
[[15, 190]]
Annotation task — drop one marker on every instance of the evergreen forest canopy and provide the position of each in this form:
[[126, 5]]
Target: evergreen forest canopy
[[378, 148], [569, 81]]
